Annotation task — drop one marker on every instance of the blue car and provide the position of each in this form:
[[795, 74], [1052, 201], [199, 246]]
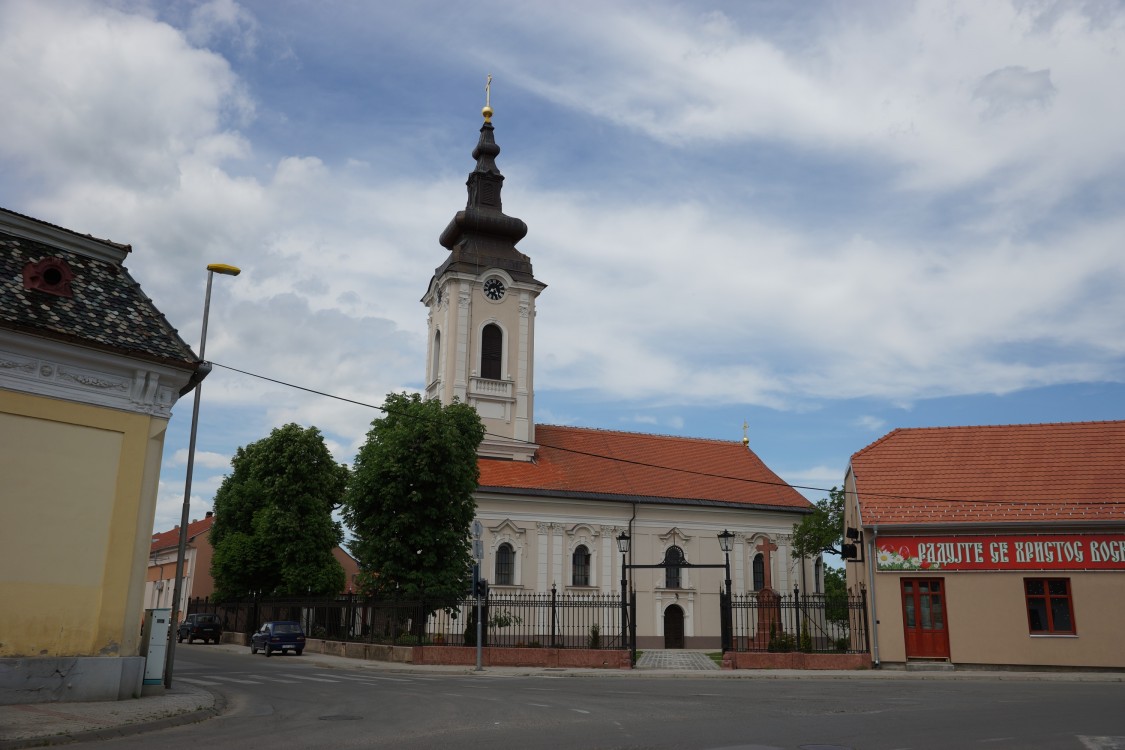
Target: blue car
[[280, 635]]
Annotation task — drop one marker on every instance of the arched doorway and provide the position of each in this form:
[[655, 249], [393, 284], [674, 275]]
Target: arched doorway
[[674, 627]]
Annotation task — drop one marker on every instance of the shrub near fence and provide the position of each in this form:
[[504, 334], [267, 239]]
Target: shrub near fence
[[549, 620], [766, 621], [817, 623]]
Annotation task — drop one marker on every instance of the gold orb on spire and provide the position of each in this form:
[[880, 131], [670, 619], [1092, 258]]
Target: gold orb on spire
[[487, 110]]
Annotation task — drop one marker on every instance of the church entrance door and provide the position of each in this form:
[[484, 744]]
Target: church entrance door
[[674, 627]]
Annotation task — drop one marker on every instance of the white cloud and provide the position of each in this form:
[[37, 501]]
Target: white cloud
[[892, 205]]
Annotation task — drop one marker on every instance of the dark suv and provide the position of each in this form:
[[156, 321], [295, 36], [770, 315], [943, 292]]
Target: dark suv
[[204, 626]]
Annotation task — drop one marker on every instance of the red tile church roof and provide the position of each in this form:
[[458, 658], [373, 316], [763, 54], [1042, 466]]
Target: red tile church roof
[[1059, 473], [628, 466]]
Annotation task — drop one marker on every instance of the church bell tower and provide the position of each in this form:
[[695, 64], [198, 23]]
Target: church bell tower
[[481, 303]]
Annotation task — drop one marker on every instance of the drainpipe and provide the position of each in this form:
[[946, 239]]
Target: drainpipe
[[870, 551]]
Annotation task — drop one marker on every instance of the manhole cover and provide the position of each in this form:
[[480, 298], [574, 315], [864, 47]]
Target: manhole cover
[[339, 717]]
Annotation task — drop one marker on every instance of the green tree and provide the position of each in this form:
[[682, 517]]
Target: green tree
[[274, 532], [410, 502], [823, 529], [836, 594]]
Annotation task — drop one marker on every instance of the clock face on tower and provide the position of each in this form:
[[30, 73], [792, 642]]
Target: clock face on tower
[[494, 289]]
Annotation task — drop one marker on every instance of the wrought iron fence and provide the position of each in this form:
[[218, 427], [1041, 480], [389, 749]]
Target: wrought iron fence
[[529, 620], [815, 623]]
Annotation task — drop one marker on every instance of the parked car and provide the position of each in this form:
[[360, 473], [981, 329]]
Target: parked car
[[281, 635], [207, 627]]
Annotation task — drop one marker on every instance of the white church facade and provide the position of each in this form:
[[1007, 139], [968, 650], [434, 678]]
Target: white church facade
[[553, 500]]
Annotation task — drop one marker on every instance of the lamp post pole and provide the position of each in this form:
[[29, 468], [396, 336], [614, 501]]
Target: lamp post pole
[[623, 547], [726, 543], [174, 621]]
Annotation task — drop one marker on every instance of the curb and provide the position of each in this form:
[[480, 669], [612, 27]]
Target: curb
[[218, 705]]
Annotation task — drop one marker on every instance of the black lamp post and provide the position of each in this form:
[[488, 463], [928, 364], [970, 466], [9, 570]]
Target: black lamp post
[[726, 543], [623, 546]]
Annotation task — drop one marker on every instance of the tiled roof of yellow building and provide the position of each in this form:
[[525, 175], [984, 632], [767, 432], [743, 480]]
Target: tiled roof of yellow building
[[1066, 472]]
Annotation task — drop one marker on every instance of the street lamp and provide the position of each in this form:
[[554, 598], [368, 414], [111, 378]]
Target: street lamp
[[726, 543], [623, 546], [212, 269]]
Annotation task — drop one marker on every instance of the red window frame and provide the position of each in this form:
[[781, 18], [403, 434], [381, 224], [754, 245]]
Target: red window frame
[[1047, 601]]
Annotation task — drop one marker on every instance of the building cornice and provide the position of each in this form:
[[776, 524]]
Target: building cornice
[[44, 367]]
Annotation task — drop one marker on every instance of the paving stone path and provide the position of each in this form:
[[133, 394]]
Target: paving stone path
[[675, 660]]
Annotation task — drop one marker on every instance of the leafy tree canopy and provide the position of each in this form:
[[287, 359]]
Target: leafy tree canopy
[[410, 501], [823, 529], [274, 532]]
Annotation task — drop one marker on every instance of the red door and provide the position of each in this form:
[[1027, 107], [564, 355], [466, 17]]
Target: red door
[[923, 617]]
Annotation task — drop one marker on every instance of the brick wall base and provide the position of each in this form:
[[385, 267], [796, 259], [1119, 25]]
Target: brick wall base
[[576, 658], [794, 660]]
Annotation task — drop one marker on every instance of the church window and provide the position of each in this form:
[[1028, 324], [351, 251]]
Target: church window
[[436, 373], [759, 572], [491, 350], [580, 573], [673, 558], [505, 564]]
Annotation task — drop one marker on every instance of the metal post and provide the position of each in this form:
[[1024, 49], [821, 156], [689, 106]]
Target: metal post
[[170, 654], [633, 627], [624, 605], [727, 625], [554, 614], [866, 629], [184, 516], [476, 592]]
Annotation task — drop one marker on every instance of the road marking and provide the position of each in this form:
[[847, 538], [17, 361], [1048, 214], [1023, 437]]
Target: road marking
[[195, 681], [365, 678], [303, 677], [224, 678], [579, 711], [274, 679], [1101, 743], [539, 705]]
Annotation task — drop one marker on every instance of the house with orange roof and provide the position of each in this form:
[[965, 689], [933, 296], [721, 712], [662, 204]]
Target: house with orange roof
[[553, 500], [993, 545], [197, 580]]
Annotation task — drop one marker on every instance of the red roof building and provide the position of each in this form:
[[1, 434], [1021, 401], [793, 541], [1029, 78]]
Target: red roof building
[[197, 580], [994, 544]]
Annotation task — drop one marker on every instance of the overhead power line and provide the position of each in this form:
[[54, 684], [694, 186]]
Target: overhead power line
[[692, 471]]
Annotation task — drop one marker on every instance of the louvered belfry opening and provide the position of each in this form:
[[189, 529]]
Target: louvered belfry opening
[[491, 349]]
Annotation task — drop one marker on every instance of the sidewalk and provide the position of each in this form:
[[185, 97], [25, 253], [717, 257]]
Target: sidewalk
[[39, 724]]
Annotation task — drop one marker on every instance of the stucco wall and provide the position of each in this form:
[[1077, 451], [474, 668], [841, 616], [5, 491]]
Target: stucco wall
[[544, 532], [80, 486], [987, 620]]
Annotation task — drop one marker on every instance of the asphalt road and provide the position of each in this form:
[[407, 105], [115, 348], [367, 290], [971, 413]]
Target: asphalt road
[[287, 701]]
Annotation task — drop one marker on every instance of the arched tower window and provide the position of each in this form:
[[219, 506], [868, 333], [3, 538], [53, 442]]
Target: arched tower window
[[580, 571], [505, 564], [491, 351], [818, 585], [673, 558], [759, 572], [435, 373]]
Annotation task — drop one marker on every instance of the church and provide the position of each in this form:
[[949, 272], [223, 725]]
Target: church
[[554, 501]]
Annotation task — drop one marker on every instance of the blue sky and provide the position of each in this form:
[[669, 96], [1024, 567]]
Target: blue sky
[[826, 219]]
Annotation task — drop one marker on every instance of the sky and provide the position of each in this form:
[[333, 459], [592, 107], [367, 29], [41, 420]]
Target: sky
[[826, 220]]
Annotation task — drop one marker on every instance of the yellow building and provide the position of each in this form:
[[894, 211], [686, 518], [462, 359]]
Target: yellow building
[[89, 371]]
